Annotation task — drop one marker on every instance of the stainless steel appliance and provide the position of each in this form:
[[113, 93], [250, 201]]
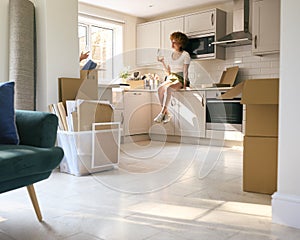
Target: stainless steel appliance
[[223, 114], [200, 46], [241, 34]]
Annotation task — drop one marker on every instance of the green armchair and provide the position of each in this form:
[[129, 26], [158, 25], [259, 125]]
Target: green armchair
[[34, 158]]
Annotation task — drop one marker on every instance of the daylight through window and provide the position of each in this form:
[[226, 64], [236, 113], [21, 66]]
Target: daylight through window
[[104, 41]]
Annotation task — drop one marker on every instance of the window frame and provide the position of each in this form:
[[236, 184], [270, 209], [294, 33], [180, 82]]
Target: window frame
[[117, 29]]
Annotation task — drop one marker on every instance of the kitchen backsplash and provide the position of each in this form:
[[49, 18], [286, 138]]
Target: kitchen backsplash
[[210, 71], [250, 66]]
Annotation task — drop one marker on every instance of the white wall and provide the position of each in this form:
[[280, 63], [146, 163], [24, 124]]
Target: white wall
[[4, 40], [286, 202], [57, 47]]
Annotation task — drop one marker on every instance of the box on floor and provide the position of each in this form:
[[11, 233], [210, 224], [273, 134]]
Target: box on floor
[[261, 133]]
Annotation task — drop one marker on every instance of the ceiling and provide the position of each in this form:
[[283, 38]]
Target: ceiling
[[150, 8]]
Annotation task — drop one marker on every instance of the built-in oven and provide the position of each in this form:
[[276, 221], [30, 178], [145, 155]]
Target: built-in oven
[[200, 46], [223, 114]]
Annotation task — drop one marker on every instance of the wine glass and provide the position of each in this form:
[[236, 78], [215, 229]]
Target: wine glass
[[159, 55]]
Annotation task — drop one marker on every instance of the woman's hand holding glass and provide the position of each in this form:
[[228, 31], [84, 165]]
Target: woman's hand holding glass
[[160, 57]]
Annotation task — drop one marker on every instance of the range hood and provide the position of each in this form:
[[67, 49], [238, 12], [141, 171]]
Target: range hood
[[241, 37]]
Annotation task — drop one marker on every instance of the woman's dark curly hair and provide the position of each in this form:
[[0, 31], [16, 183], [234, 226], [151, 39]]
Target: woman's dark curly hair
[[179, 37]]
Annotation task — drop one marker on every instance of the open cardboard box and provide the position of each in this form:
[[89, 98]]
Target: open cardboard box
[[261, 99], [85, 87], [227, 78], [255, 91]]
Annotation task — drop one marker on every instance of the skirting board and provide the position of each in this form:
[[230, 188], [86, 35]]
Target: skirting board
[[196, 140], [286, 209]]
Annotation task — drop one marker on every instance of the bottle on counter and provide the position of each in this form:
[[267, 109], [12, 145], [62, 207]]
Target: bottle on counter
[[151, 81], [146, 83]]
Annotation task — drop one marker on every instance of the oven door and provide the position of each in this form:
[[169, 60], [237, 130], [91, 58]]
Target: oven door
[[224, 114]]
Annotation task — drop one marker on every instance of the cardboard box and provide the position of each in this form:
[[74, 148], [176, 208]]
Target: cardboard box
[[68, 88], [227, 78], [260, 91], [85, 87], [89, 88], [255, 91], [136, 84], [260, 164], [261, 120], [90, 112], [261, 99]]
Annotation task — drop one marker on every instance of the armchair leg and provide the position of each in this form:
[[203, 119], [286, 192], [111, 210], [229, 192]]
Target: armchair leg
[[34, 201]]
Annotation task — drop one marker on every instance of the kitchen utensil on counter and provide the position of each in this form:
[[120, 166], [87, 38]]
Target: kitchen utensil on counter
[[136, 74]]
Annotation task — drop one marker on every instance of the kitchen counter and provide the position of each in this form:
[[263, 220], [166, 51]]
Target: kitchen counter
[[206, 89], [180, 90], [139, 90]]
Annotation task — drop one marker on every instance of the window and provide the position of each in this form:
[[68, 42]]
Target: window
[[104, 40]]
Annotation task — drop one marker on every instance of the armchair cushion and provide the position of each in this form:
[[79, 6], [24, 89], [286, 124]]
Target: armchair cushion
[[8, 131], [19, 161], [37, 129]]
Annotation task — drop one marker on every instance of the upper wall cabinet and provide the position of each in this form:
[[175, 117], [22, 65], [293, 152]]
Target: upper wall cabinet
[[148, 42], [155, 35], [211, 21], [266, 27], [169, 26]]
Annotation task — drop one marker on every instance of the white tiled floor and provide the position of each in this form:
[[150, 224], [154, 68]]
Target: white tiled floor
[[160, 192]]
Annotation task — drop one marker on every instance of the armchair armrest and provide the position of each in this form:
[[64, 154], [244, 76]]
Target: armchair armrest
[[37, 129]]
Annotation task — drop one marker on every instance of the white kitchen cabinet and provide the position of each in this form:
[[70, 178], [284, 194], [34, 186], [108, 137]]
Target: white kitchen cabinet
[[161, 128], [266, 27], [155, 35], [148, 42], [169, 26], [191, 114], [119, 117], [137, 112], [118, 103], [207, 23], [210, 21]]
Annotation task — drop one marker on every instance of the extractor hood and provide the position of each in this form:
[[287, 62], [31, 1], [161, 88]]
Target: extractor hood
[[239, 36]]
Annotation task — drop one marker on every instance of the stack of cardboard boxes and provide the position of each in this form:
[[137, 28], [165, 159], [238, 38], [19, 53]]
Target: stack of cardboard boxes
[[261, 133]]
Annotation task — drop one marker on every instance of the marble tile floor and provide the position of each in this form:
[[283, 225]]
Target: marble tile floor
[[160, 191]]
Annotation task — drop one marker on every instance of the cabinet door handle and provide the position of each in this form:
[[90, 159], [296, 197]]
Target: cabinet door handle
[[137, 93], [255, 42], [122, 118], [212, 19]]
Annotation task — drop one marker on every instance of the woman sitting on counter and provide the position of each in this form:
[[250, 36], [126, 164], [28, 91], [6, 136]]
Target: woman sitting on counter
[[177, 74]]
